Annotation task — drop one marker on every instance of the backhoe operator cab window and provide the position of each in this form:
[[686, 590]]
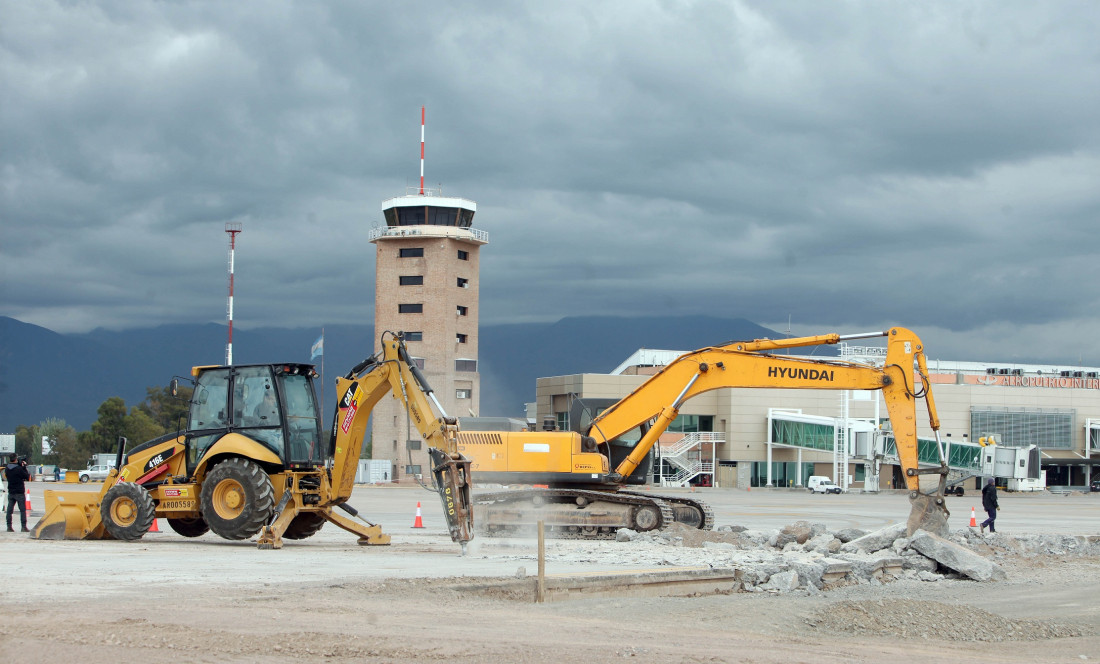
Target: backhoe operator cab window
[[274, 406]]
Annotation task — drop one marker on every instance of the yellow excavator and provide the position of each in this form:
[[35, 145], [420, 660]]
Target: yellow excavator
[[580, 479], [251, 460]]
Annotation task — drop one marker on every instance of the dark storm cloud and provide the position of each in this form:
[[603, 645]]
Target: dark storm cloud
[[854, 165]]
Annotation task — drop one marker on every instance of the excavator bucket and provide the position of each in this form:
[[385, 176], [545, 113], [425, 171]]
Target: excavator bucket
[[70, 515], [927, 512]]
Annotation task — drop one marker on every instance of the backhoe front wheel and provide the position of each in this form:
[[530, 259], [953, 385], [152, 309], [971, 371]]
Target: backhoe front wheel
[[237, 499], [127, 511]]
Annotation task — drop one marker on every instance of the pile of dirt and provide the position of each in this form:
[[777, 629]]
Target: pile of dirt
[[906, 618]]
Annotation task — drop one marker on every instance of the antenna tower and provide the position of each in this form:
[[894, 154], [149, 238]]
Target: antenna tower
[[421, 150], [231, 229]]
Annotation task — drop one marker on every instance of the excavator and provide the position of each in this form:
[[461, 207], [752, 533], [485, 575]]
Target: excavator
[[251, 461], [579, 479]]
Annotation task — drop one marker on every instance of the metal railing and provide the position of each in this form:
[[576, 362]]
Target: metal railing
[[412, 231]]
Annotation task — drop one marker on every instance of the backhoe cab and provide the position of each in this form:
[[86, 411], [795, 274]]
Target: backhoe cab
[[253, 460]]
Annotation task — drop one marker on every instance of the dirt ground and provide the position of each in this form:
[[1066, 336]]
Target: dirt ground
[[1047, 611], [171, 599]]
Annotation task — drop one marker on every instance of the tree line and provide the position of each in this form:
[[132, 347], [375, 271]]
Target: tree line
[[158, 414]]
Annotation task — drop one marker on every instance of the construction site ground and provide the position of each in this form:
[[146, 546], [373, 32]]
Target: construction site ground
[[167, 598]]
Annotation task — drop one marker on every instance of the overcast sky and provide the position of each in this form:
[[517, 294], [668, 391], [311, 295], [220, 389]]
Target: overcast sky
[[848, 166]]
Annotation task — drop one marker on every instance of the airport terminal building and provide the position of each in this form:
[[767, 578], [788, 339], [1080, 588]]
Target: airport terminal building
[[737, 437]]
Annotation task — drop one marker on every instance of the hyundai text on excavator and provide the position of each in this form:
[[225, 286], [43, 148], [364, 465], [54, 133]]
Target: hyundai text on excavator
[[580, 478], [251, 461]]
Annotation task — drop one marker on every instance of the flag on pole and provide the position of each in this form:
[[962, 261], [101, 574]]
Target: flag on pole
[[318, 348]]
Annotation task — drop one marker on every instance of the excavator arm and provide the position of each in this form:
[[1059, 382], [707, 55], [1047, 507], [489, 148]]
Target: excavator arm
[[745, 364], [392, 372]]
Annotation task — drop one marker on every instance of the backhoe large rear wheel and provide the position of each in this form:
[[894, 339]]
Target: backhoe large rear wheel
[[306, 524], [127, 511], [237, 499], [195, 527]]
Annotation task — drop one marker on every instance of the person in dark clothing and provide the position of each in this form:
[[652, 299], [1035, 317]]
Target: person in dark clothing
[[989, 504], [16, 473]]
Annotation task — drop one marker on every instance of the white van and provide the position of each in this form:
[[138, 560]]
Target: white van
[[821, 484]]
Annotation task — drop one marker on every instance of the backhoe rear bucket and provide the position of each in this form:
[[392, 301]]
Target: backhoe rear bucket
[[70, 515], [927, 512]]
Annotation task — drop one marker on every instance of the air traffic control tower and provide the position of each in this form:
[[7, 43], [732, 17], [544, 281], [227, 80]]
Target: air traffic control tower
[[426, 286]]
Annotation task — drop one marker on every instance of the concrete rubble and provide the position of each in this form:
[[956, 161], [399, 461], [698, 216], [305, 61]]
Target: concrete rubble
[[807, 557]]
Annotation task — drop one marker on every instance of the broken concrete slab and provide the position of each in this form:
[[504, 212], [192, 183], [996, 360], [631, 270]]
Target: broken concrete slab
[[955, 557], [876, 540]]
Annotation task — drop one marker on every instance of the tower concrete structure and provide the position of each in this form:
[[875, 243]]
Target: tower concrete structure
[[426, 287]]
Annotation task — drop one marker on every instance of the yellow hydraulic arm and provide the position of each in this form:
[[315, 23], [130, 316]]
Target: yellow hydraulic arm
[[391, 371], [746, 364]]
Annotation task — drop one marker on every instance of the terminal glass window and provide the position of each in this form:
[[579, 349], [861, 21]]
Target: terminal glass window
[[803, 434], [691, 424], [1046, 427]]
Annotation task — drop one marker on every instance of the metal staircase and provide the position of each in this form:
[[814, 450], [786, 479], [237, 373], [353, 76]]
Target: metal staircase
[[685, 457]]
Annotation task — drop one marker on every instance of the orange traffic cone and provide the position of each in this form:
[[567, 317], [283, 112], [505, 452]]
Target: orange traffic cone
[[154, 528], [28, 502], [419, 522], [973, 520]]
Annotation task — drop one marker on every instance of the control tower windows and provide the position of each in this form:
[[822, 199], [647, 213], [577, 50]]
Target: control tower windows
[[460, 338], [411, 280], [410, 308], [411, 252], [463, 311], [463, 283], [463, 255]]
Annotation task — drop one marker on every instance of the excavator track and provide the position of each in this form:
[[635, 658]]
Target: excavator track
[[690, 512], [570, 513]]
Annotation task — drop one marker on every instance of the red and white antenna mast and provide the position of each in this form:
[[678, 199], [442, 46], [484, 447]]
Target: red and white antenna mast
[[231, 229], [421, 150]]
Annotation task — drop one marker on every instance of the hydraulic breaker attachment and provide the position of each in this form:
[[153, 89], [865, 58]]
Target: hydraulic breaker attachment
[[70, 515], [452, 474]]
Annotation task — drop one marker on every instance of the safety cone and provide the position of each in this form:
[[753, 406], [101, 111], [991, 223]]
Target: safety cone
[[154, 528], [28, 502], [973, 520], [419, 522]]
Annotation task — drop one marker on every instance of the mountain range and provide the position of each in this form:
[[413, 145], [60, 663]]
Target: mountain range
[[67, 376]]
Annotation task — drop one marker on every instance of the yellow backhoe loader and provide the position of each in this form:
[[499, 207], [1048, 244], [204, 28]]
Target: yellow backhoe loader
[[585, 475], [251, 460]]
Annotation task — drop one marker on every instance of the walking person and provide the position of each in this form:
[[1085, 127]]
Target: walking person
[[16, 472], [989, 504]]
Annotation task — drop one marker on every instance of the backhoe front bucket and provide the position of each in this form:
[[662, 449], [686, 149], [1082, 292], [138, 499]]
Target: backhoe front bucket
[[927, 512], [70, 515]]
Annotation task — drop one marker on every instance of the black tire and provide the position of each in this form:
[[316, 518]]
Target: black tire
[[195, 527], [237, 499], [84, 479], [127, 511], [306, 524]]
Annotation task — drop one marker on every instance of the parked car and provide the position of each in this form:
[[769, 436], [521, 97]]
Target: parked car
[[825, 486], [1095, 486], [98, 473]]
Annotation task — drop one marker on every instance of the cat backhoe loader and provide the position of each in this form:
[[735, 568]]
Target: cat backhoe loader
[[584, 475], [251, 460]]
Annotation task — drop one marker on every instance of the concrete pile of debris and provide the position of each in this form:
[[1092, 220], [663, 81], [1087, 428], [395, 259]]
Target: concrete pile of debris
[[807, 556]]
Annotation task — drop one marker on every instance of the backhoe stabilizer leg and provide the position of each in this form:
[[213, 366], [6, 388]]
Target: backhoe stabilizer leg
[[451, 473]]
